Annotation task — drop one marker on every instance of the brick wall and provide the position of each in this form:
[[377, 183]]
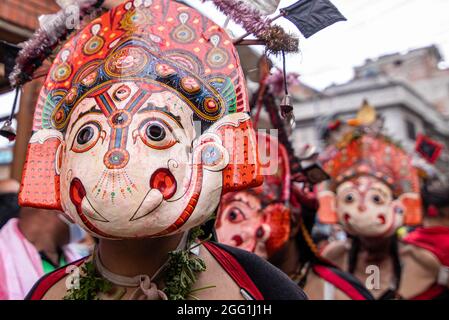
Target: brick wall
[[24, 13]]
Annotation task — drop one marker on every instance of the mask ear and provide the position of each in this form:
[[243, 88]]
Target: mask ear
[[411, 202], [239, 139], [278, 219], [40, 180], [327, 212]]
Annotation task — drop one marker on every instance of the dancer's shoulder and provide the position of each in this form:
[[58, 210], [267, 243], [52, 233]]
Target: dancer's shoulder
[[52, 286], [256, 273]]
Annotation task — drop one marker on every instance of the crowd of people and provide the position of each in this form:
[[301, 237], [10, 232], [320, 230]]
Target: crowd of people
[[147, 178]]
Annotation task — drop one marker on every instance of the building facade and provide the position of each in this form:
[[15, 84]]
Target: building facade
[[409, 90]]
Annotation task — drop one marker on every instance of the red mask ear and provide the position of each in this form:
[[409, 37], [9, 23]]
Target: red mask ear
[[327, 212], [278, 218], [239, 138], [412, 205], [40, 181]]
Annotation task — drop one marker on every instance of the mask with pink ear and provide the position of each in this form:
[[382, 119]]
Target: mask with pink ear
[[368, 210], [364, 199], [327, 211], [258, 220], [374, 188]]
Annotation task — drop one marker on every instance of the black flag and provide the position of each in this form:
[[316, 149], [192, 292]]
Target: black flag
[[311, 16]]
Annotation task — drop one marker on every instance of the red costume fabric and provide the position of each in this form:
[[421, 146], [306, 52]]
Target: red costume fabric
[[434, 239]]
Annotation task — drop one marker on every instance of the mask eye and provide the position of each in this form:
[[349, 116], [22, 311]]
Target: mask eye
[[349, 198], [86, 137], [235, 215], [377, 199], [157, 134]]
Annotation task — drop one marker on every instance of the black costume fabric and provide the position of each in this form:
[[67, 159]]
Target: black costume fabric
[[9, 207], [272, 282]]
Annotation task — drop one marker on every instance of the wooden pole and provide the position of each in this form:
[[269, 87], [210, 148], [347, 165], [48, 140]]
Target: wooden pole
[[24, 126]]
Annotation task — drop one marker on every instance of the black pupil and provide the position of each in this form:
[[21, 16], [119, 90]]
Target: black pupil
[[155, 132], [349, 197], [376, 199], [233, 215], [85, 135]]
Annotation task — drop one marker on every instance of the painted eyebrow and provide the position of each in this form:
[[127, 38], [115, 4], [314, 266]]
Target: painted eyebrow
[[94, 109], [152, 107], [241, 199], [380, 190], [348, 188]]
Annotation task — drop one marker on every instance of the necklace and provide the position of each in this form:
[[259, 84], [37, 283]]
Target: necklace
[[146, 288], [180, 271]]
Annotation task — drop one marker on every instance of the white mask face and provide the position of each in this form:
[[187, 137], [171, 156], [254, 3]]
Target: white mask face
[[365, 207], [154, 180]]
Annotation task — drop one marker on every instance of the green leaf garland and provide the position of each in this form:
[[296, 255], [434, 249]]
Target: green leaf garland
[[180, 275]]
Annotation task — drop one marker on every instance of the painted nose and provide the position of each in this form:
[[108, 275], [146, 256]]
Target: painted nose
[[362, 208], [116, 158]]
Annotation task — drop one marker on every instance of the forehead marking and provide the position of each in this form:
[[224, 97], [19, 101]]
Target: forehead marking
[[105, 103], [119, 119]]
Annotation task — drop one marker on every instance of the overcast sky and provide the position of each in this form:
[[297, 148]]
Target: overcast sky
[[374, 28]]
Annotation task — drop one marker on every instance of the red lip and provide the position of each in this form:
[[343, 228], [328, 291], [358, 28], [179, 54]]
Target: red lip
[[381, 218], [77, 194], [164, 181], [346, 217], [238, 240]]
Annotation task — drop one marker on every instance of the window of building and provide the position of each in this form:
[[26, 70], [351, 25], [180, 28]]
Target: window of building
[[398, 63], [411, 130]]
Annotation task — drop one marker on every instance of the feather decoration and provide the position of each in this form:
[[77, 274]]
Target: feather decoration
[[52, 32], [253, 21], [248, 17]]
